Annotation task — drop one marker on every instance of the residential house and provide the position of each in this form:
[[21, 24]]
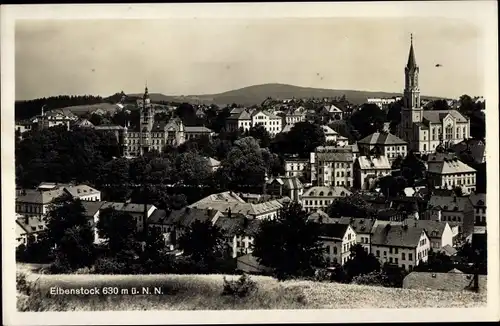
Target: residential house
[[192, 132], [362, 227], [383, 143], [332, 166], [368, 169], [337, 240], [213, 164], [471, 150], [320, 216], [139, 212], [292, 116], [174, 224], [335, 112], [445, 171], [229, 201], [35, 202], [439, 233], [452, 209], [28, 229], [382, 102], [251, 118], [285, 186], [334, 137], [320, 197], [478, 201], [443, 281], [92, 210], [404, 245], [239, 232], [296, 167]]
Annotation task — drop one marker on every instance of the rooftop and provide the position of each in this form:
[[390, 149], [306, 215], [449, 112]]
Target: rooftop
[[382, 138], [374, 163], [322, 191], [396, 235], [441, 281]]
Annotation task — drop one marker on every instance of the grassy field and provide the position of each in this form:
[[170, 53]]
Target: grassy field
[[203, 292]]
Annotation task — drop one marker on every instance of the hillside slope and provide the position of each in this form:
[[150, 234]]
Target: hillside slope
[[203, 292], [258, 93]]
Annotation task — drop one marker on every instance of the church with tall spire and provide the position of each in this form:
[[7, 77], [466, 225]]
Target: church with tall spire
[[425, 130]]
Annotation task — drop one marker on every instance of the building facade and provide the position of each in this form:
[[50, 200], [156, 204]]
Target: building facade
[[337, 240], [368, 169], [385, 144], [332, 166], [321, 197]]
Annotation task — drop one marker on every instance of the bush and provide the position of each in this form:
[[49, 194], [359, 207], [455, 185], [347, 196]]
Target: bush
[[22, 285], [60, 266], [240, 288], [106, 265], [373, 278]]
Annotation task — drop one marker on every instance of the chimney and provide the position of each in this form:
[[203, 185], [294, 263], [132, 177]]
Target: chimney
[[229, 212]]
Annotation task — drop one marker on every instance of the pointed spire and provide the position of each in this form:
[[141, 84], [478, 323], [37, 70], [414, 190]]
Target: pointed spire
[[412, 63]]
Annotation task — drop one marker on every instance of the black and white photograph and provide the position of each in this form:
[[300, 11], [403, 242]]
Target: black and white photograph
[[228, 158]]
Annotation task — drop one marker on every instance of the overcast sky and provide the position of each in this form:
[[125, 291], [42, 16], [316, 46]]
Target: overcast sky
[[204, 56]]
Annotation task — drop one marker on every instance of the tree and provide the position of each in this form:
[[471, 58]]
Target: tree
[[440, 105], [392, 186], [304, 137], [354, 206], [360, 262], [193, 169], [289, 244], [243, 166], [369, 118], [118, 229], [69, 230], [154, 258], [437, 262], [114, 179], [260, 134], [412, 169], [203, 241]]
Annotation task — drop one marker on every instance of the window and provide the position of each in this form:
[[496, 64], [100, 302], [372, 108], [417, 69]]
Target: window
[[410, 267], [410, 256], [378, 253], [403, 256], [403, 265], [335, 250], [449, 132], [390, 250], [390, 260], [385, 253], [396, 251]]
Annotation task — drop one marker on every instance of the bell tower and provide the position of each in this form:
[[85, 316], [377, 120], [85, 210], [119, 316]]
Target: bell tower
[[412, 110], [146, 124]]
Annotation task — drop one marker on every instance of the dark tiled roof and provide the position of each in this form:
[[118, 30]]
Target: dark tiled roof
[[476, 147], [360, 225], [333, 230], [396, 235], [92, 207], [185, 216], [434, 229], [159, 216], [197, 129], [382, 138], [441, 281], [437, 116]]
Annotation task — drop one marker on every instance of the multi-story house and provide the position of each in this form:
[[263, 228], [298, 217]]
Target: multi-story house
[[246, 119], [368, 169], [296, 167], [285, 186], [35, 202], [332, 166], [226, 202], [292, 116], [362, 227], [447, 171], [457, 211], [424, 130], [404, 245], [332, 136], [335, 112], [382, 102], [385, 144], [320, 197], [239, 232], [479, 204], [439, 232], [337, 240]]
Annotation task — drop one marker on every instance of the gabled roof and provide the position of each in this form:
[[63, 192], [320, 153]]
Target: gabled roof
[[441, 281], [434, 229], [39, 197], [476, 147], [447, 166], [359, 225], [328, 131], [333, 230], [396, 235], [34, 224], [478, 199], [197, 129], [449, 203], [81, 190], [382, 138], [287, 182], [187, 215], [92, 207], [437, 116]]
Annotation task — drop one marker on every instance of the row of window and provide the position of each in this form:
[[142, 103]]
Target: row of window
[[423, 241], [403, 255]]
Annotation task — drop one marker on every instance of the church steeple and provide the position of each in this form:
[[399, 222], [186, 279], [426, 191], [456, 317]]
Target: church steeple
[[412, 63]]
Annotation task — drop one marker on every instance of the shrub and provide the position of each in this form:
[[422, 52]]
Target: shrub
[[60, 266], [22, 285], [106, 265], [240, 288], [322, 275], [373, 278]]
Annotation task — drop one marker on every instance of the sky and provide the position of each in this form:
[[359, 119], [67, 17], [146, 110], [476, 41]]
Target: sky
[[206, 56]]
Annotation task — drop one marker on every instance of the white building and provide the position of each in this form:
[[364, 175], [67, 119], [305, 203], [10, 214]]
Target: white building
[[247, 119], [321, 197], [386, 143], [405, 246], [368, 169], [337, 240], [478, 201], [334, 137], [447, 172], [332, 166]]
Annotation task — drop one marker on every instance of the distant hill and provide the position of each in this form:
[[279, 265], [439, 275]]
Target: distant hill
[[258, 93]]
